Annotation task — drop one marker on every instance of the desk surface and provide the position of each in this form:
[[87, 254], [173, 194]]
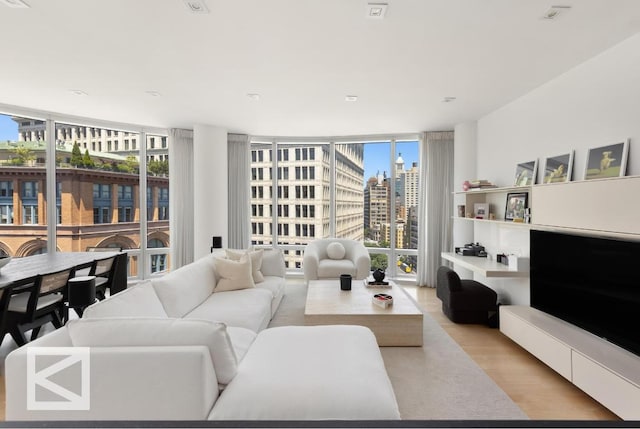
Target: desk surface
[[483, 266], [26, 269]]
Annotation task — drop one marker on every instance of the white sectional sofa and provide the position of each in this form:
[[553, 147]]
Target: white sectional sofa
[[177, 348]]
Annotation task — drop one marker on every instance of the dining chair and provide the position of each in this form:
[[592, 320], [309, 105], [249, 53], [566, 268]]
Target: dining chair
[[104, 271], [34, 305], [5, 295]]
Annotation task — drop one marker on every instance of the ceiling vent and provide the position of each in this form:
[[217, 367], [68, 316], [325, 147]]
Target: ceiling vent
[[376, 10], [554, 11], [350, 98], [15, 3], [197, 6]]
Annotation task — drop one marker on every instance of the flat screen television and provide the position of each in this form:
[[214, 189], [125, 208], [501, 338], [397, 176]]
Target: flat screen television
[[591, 282]]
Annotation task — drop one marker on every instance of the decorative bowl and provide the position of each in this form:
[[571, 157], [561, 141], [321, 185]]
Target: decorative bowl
[[4, 260]]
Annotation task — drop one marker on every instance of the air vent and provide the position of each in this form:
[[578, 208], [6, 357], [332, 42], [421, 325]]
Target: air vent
[[376, 10]]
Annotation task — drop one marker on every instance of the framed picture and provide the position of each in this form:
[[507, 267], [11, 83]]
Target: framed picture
[[516, 205], [526, 173], [481, 210], [558, 168], [607, 161]]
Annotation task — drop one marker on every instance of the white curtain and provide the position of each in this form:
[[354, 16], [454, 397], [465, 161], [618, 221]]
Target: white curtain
[[181, 197], [239, 202], [436, 203]]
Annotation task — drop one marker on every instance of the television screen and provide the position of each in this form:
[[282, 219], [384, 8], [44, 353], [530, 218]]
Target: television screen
[[591, 282]]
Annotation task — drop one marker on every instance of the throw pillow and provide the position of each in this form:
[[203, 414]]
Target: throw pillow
[[273, 263], [234, 275], [256, 261], [336, 250]]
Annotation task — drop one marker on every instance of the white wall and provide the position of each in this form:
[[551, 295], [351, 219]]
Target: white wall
[[465, 159], [210, 187], [594, 104]]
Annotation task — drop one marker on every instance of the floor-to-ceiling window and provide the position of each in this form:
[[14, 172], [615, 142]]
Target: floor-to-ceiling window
[[345, 188], [97, 186], [23, 220], [157, 203]]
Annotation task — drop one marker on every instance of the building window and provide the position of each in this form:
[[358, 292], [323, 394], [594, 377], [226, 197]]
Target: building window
[[6, 189], [30, 215], [6, 214], [30, 189]]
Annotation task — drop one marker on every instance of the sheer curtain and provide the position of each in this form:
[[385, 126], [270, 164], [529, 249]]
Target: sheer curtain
[[436, 203], [239, 202], [181, 197]]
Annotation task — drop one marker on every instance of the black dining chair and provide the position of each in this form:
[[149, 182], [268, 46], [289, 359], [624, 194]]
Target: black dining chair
[[34, 305], [104, 271], [5, 295]]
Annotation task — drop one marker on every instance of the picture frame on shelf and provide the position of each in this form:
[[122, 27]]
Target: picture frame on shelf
[[516, 204], [526, 173], [481, 210], [558, 168], [607, 161]]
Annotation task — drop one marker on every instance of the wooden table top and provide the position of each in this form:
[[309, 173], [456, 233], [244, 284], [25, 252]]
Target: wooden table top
[[325, 297], [26, 269]]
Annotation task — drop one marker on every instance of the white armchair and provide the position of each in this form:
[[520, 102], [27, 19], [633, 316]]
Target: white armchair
[[327, 258]]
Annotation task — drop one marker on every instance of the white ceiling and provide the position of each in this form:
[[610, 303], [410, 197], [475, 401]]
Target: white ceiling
[[303, 57]]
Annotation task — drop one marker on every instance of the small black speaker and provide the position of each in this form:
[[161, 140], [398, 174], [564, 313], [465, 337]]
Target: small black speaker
[[217, 243]]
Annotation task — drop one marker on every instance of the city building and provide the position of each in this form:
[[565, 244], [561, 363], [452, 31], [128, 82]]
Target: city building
[[96, 205], [376, 211], [302, 194]]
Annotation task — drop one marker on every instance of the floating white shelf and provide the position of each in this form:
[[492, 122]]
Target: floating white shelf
[[483, 266]]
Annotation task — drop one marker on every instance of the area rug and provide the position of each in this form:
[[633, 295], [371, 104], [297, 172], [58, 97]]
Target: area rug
[[438, 381]]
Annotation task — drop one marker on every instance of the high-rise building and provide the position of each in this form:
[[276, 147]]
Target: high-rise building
[[377, 194], [303, 194]]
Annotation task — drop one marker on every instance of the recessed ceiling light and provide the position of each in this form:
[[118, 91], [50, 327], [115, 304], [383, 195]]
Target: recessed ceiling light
[[197, 6], [448, 99], [15, 3], [376, 10], [350, 98], [78, 92], [554, 11], [254, 96], [154, 93]]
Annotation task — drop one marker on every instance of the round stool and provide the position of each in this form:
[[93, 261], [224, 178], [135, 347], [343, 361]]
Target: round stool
[[82, 293]]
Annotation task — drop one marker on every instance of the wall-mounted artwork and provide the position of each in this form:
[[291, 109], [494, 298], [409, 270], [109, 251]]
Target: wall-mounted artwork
[[607, 161], [558, 168], [526, 173]]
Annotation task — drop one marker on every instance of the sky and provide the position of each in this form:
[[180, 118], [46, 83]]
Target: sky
[[8, 129], [376, 157]]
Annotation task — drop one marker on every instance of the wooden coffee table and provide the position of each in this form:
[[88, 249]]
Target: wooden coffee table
[[398, 325]]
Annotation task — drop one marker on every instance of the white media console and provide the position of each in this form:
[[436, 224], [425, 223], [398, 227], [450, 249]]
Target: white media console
[[606, 372]]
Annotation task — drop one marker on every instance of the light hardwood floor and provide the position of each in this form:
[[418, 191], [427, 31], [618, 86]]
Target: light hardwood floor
[[538, 390]]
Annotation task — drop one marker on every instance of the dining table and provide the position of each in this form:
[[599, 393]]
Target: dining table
[[25, 270]]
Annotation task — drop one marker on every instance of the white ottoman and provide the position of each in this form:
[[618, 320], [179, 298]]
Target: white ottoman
[[310, 373]]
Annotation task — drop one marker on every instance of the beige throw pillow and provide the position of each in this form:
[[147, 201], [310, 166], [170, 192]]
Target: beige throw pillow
[[256, 261], [234, 275]]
